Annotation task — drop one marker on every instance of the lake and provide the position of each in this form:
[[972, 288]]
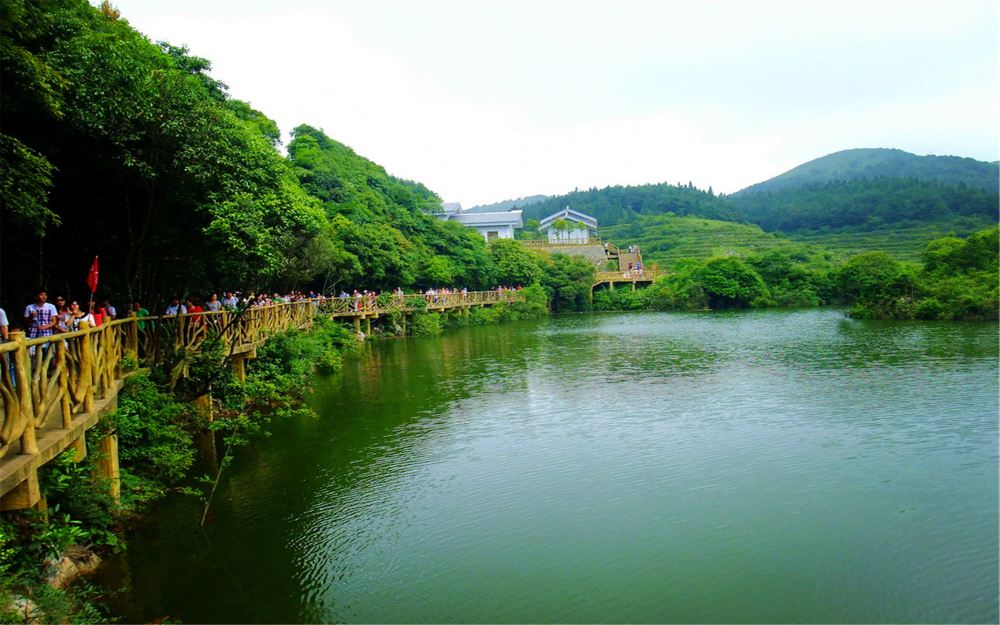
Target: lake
[[761, 466]]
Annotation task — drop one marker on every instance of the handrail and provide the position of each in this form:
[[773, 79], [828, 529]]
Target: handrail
[[546, 242], [61, 376], [647, 275]]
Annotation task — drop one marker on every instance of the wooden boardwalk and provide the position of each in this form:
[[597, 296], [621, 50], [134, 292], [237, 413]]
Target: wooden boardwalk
[[611, 278], [602, 254], [53, 389]]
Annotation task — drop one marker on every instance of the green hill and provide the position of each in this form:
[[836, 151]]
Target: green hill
[[903, 241], [618, 204], [860, 200], [885, 163], [508, 205], [668, 239], [867, 203]]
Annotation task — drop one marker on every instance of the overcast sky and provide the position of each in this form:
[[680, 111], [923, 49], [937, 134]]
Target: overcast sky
[[485, 101]]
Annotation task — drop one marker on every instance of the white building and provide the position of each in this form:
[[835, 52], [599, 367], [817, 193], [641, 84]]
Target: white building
[[490, 225], [569, 226]]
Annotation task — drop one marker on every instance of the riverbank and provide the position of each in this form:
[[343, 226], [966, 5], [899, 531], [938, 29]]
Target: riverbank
[[161, 413]]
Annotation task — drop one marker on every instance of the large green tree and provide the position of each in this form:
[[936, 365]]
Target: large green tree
[[120, 147]]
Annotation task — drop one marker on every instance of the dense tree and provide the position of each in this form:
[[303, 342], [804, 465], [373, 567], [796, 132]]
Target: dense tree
[[568, 281], [622, 204], [730, 283], [868, 202], [878, 285], [152, 166], [515, 265], [390, 225]]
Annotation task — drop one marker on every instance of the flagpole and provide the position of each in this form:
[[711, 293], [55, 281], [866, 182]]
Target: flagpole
[[93, 287]]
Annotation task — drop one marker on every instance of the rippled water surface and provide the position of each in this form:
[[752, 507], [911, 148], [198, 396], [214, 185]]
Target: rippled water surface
[[748, 467]]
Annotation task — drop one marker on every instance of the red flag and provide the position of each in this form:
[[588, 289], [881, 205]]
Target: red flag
[[92, 277]]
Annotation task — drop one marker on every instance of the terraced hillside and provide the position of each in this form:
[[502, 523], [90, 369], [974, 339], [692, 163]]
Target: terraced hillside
[[902, 241], [667, 239]]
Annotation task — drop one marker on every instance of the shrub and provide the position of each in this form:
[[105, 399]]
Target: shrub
[[426, 324]]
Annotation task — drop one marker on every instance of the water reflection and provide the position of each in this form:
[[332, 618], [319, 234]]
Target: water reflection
[[767, 466]]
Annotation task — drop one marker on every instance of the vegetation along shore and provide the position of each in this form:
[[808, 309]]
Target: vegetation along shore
[[117, 147]]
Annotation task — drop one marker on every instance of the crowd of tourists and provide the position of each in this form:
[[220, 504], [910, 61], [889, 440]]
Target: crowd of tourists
[[634, 270], [43, 318]]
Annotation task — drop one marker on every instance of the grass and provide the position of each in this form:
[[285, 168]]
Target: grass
[[667, 239]]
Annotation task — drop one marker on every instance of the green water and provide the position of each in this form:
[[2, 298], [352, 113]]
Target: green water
[[749, 467]]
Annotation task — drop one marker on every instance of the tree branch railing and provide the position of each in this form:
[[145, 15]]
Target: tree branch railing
[[647, 275], [46, 382]]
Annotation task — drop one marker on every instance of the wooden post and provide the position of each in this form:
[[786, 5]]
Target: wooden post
[[24, 495], [179, 341], [87, 367], [133, 338], [107, 466], [63, 368], [80, 445], [203, 403], [113, 355], [239, 367], [357, 325], [368, 326], [22, 371]]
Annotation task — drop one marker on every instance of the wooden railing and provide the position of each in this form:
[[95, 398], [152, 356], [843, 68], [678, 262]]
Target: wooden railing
[[387, 303], [47, 382], [647, 275], [547, 243]]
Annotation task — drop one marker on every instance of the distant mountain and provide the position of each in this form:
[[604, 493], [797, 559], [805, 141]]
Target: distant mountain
[[885, 163], [507, 205], [614, 205], [866, 203]]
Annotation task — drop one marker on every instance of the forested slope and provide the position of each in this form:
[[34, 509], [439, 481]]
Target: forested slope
[[669, 239], [115, 146], [868, 201], [617, 204], [382, 231], [885, 163], [118, 147]]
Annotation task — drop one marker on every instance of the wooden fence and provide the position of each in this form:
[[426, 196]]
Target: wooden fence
[[54, 388], [647, 275]]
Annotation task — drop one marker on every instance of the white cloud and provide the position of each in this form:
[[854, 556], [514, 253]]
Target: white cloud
[[491, 100]]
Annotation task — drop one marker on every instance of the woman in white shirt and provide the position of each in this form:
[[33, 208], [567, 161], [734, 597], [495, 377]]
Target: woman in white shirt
[[76, 316]]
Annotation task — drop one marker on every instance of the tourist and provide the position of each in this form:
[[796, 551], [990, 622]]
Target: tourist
[[175, 307], [40, 316], [139, 313], [109, 311], [62, 314], [7, 358], [229, 302], [77, 316], [213, 304]]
